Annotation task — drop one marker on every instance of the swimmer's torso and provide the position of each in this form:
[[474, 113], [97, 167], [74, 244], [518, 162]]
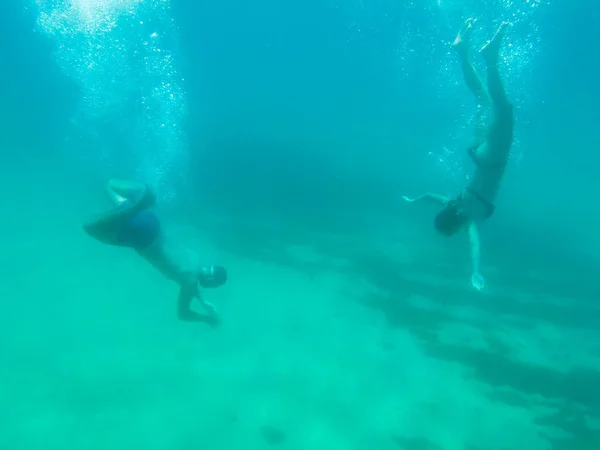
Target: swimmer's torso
[[491, 157], [490, 164], [486, 182]]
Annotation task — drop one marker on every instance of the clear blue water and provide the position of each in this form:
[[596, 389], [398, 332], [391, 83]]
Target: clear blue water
[[280, 137]]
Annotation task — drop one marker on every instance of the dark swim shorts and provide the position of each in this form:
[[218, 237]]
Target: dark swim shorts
[[140, 230]]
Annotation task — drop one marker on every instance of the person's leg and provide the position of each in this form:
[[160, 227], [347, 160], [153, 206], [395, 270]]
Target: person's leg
[[108, 226], [472, 79], [491, 54], [500, 132]]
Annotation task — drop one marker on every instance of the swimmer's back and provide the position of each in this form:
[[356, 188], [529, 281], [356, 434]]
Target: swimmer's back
[[174, 261]]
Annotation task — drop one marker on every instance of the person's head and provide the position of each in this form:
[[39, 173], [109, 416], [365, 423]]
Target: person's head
[[212, 276], [451, 219]]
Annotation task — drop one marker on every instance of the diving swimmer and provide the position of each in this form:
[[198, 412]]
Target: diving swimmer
[[489, 151], [132, 224]]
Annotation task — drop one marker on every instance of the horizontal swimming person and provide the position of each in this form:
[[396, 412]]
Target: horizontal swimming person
[[133, 224]]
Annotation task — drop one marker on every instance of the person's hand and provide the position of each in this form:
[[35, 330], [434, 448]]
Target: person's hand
[[210, 308], [477, 281], [210, 319], [408, 199], [213, 320]]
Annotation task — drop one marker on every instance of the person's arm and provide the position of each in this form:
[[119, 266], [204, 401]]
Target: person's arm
[[210, 308], [476, 279], [436, 198], [188, 291]]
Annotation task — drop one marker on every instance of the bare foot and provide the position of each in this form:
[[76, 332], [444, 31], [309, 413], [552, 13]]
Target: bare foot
[[462, 39], [491, 50]]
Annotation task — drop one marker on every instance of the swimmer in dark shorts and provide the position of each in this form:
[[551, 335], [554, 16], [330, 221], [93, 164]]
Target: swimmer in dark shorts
[[489, 151], [132, 224]]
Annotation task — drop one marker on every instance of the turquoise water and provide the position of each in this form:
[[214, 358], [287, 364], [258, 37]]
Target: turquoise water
[[280, 138]]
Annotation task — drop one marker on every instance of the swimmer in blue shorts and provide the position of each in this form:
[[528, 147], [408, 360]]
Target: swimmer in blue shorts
[[489, 151], [132, 224]]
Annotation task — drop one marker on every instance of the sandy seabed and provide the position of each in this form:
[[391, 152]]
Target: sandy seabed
[[327, 342]]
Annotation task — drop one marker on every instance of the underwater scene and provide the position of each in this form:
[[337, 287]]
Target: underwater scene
[[299, 225]]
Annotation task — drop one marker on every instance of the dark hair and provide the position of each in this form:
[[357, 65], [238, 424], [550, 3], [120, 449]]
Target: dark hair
[[213, 277], [450, 220]]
